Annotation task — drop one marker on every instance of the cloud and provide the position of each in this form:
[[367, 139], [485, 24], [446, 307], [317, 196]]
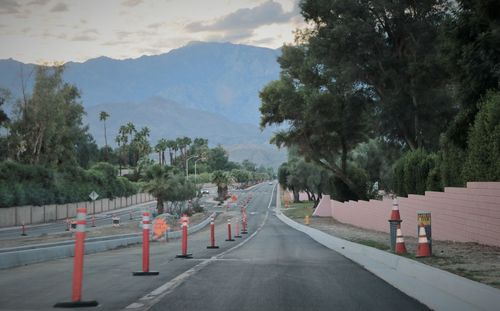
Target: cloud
[[9, 7], [241, 23], [60, 7], [47, 34], [155, 25], [86, 35], [117, 42], [38, 2], [229, 36], [132, 3], [267, 13]]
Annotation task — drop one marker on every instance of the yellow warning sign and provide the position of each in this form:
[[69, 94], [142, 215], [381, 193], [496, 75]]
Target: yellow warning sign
[[424, 219]]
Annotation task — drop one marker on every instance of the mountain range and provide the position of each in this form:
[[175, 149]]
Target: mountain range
[[203, 89]]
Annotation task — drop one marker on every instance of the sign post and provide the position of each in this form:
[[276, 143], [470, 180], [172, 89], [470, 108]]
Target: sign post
[[93, 196]]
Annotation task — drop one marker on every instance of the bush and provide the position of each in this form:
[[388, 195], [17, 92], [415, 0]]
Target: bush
[[36, 185], [483, 154], [451, 164], [360, 179], [416, 172]]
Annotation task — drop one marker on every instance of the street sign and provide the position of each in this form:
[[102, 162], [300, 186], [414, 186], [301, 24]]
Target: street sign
[[93, 196]]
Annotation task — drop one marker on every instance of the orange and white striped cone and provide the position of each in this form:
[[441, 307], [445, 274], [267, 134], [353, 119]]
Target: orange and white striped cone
[[146, 226], [395, 210], [76, 294], [237, 235], [400, 242], [184, 240], [423, 249]]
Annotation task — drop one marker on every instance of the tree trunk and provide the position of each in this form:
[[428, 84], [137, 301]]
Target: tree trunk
[[296, 197], [159, 206], [105, 143]]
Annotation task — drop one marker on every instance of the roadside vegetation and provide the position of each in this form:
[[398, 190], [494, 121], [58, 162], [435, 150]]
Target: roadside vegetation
[[383, 95], [47, 155]]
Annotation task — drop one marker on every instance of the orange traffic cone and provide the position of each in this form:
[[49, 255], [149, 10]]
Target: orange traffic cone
[[395, 210], [400, 242], [423, 249]]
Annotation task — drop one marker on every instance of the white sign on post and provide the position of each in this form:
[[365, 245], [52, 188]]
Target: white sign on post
[[93, 196]]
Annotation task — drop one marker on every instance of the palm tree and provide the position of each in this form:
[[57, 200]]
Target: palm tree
[[160, 147], [171, 146], [221, 180], [158, 185], [103, 116]]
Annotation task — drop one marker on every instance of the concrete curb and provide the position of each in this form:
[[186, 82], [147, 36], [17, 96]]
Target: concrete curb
[[438, 289], [25, 255]]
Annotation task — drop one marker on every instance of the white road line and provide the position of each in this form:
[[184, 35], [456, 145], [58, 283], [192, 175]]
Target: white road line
[[149, 300]]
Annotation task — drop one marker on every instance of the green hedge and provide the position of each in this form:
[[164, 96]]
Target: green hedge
[[483, 154], [36, 185], [416, 172]]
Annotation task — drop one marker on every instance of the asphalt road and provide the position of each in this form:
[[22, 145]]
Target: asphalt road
[[274, 267]]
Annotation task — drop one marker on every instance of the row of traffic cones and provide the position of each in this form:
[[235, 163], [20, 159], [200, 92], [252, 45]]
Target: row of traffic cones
[[423, 249]]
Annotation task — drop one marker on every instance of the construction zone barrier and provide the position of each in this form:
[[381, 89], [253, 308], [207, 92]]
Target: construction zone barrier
[[244, 220], [184, 254], [115, 220], [145, 247], [237, 233], [229, 237], [76, 294], [212, 234], [423, 249], [23, 230], [394, 223], [400, 242]]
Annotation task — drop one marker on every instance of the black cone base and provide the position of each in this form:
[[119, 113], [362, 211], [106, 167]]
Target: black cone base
[[76, 304], [187, 256], [230, 240], [145, 273], [237, 236], [212, 247], [244, 232]]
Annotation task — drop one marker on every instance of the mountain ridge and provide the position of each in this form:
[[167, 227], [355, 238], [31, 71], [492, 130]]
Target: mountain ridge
[[206, 83]]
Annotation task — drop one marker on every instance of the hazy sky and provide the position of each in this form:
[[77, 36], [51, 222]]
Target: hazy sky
[[57, 30]]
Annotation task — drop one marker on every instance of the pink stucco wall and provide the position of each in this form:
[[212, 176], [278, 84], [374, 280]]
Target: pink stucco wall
[[470, 214]]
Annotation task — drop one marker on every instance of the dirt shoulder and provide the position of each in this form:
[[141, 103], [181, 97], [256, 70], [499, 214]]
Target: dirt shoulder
[[474, 261]]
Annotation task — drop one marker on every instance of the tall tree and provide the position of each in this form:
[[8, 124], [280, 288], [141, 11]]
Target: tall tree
[[49, 121], [103, 116], [171, 145], [327, 116], [389, 48], [160, 147], [471, 46]]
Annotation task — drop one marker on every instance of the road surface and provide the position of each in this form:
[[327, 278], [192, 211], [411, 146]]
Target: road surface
[[275, 268]]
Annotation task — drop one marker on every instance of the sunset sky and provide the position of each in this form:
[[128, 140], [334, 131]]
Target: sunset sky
[[39, 31]]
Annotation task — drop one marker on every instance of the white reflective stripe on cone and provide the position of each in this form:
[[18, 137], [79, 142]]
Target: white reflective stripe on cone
[[80, 228], [81, 216]]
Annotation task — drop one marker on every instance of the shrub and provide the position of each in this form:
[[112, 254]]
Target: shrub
[[416, 172], [483, 154]]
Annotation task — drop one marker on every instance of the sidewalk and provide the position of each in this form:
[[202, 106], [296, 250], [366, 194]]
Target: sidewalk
[[438, 289]]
